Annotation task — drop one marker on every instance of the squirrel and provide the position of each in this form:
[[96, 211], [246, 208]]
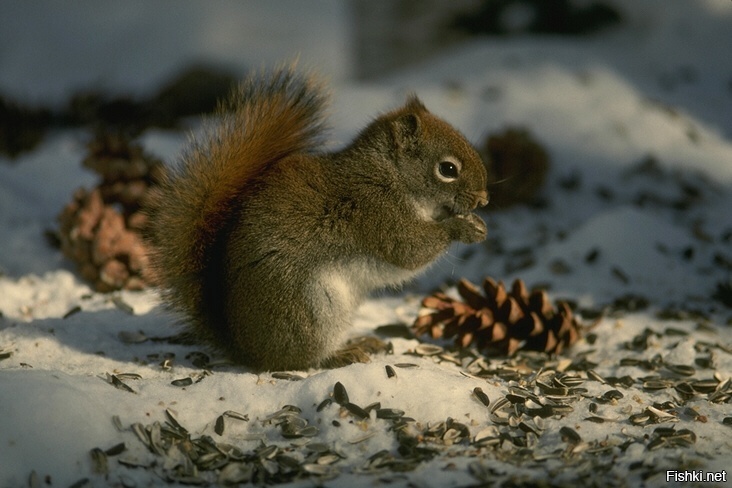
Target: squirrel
[[267, 244]]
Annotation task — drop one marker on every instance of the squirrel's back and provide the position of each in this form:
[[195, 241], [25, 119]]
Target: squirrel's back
[[268, 118]]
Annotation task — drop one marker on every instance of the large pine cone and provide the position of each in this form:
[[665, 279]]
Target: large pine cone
[[498, 321], [100, 229]]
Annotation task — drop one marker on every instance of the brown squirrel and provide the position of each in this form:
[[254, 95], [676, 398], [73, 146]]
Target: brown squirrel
[[267, 244]]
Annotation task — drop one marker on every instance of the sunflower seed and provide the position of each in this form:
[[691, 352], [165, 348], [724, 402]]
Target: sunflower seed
[[116, 449], [356, 410], [593, 375], [481, 396], [428, 349], [358, 440], [132, 337], [182, 382], [235, 473], [219, 426], [119, 384], [389, 413], [685, 388], [73, 311], [328, 459], [656, 384], [325, 403], [236, 415], [390, 373], [569, 435], [680, 369], [122, 305], [612, 395], [317, 469], [267, 452], [340, 395], [287, 376], [100, 464], [705, 386]]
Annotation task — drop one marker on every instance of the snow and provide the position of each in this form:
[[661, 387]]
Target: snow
[[599, 105]]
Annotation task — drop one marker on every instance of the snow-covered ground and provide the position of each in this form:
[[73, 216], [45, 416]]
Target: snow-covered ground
[[657, 88]]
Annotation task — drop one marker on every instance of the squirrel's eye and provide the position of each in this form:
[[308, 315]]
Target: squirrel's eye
[[448, 170]]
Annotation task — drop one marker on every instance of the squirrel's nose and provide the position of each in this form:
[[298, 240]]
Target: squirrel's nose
[[482, 198]]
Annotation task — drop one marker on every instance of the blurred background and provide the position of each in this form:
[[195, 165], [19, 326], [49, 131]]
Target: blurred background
[[148, 63]]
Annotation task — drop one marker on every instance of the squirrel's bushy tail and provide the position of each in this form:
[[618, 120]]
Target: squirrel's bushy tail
[[268, 117]]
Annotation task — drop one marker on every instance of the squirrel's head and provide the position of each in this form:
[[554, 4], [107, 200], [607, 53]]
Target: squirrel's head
[[440, 170]]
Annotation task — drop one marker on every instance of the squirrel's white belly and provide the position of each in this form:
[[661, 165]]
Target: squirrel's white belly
[[338, 289]]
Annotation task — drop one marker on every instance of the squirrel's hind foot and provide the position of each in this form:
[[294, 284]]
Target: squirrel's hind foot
[[357, 350]]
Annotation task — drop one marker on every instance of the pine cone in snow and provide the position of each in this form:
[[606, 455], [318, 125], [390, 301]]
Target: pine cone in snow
[[100, 229], [499, 321]]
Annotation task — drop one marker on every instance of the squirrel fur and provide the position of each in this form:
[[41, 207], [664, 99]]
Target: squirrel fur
[[266, 244]]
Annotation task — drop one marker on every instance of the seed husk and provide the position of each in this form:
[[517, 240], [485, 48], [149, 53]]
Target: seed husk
[[325, 403], [317, 469], [569, 435], [356, 410], [116, 449], [132, 336], [236, 415], [122, 305], [613, 395], [173, 420], [182, 382], [656, 384], [328, 459], [287, 376], [593, 375], [428, 349], [119, 384], [219, 426], [235, 473], [705, 386], [389, 413], [681, 369], [100, 464], [481, 396], [73, 311], [340, 395], [390, 373]]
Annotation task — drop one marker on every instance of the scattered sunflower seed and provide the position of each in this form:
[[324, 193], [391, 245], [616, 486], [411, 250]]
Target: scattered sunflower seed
[[390, 373], [119, 384], [569, 435], [132, 337], [100, 464], [481, 396], [287, 376], [340, 395], [182, 382], [122, 305], [219, 426], [76, 309], [356, 410]]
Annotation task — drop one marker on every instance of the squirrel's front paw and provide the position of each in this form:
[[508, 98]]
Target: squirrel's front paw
[[467, 228]]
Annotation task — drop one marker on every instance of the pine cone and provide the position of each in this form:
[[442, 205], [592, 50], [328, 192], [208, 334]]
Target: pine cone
[[517, 167], [498, 321], [100, 229]]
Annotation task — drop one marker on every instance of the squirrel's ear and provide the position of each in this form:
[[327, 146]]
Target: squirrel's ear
[[415, 104], [407, 129]]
